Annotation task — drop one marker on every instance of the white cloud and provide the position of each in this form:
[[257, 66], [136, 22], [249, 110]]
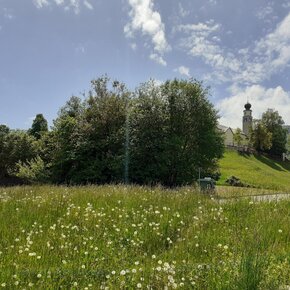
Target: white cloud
[[231, 108], [286, 4], [7, 13], [247, 65], [158, 59], [74, 5], [183, 70], [203, 42], [133, 46], [213, 2], [265, 11], [59, 2], [144, 19], [182, 12], [40, 3], [80, 49], [273, 50], [88, 5]]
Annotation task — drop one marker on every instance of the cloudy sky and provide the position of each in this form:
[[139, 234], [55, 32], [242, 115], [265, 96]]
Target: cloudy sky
[[51, 49]]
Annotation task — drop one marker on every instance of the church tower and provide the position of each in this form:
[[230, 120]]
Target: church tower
[[247, 119]]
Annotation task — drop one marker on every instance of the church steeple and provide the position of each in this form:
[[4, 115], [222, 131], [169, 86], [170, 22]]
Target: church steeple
[[247, 119]]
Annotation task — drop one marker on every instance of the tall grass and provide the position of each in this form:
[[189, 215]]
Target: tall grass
[[113, 237]]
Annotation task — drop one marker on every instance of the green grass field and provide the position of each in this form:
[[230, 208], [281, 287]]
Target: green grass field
[[258, 171], [118, 237]]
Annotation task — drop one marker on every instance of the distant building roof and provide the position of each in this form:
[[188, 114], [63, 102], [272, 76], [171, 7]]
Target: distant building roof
[[223, 128]]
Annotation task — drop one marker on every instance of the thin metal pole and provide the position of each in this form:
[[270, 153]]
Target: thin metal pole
[[127, 139], [199, 176]]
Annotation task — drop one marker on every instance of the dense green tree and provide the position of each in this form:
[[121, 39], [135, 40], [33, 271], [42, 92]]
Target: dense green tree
[[39, 126], [173, 133], [273, 122], [90, 135], [4, 150], [147, 124], [4, 129], [261, 138], [163, 134], [15, 145], [64, 139]]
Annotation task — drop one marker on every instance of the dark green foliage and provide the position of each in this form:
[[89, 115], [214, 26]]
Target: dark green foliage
[[4, 130], [15, 146], [148, 135], [90, 136], [261, 138], [273, 122], [173, 133], [235, 181], [39, 126], [163, 134]]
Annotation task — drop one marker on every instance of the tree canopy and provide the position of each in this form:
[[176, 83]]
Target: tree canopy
[[273, 123], [261, 138], [159, 134], [39, 126]]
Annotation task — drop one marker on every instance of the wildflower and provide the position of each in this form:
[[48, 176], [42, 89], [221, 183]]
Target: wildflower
[[113, 272], [83, 266], [39, 275], [3, 285], [123, 272], [139, 285], [280, 231], [226, 247], [153, 257]]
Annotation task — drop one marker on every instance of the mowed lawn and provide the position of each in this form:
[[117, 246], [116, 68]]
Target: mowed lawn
[[123, 237], [256, 170]]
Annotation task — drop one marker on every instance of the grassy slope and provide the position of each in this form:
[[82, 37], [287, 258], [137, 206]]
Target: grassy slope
[[256, 170]]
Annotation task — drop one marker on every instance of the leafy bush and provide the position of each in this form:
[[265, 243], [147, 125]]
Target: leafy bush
[[33, 171]]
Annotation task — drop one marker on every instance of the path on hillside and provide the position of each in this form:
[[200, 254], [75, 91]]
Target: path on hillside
[[257, 198]]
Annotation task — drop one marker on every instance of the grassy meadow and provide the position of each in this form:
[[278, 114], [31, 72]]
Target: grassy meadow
[[122, 237], [256, 170]]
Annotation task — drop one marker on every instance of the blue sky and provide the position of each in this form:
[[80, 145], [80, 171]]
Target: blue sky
[[51, 49]]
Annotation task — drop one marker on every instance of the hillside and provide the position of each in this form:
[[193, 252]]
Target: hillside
[[256, 170]]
